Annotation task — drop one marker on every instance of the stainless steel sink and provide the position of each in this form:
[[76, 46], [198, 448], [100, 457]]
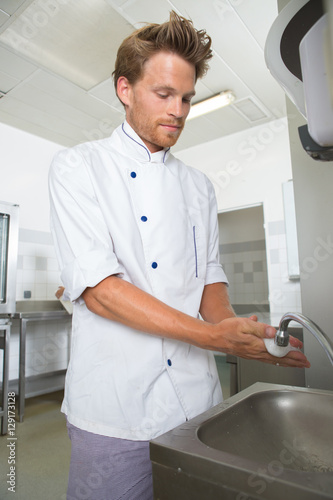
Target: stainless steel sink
[[266, 442], [276, 425]]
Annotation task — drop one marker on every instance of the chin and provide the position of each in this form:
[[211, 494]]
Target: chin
[[170, 141]]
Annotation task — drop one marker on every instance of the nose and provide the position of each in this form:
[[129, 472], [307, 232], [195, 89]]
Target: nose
[[176, 107]]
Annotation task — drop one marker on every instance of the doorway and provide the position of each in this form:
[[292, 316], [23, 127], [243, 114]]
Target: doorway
[[243, 256]]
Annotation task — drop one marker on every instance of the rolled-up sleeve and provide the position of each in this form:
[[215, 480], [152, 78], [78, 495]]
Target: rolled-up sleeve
[[214, 272], [82, 241]]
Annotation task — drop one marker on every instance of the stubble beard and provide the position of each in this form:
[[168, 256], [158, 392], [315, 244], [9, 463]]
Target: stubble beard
[[152, 133]]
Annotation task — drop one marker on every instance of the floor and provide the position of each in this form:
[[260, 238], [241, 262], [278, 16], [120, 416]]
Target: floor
[[42, 452], [42, 448]]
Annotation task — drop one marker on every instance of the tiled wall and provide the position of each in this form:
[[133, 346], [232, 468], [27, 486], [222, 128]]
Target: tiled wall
[[37, 272], [246, 268], [37, 267]]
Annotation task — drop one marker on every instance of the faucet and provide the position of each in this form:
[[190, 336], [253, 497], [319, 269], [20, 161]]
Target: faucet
[[282, 335]]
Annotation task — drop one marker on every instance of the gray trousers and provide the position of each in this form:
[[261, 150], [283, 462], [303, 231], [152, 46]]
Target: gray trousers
[[106, 468]]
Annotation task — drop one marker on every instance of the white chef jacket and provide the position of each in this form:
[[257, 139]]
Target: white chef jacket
[[117, 209]]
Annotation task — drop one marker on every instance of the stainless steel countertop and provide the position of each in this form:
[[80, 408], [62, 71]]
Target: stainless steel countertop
[[39, 309]]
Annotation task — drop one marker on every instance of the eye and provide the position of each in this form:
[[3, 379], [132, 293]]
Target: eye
[[162, 96]]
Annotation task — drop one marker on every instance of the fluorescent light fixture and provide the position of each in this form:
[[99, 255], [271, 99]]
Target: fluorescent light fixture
[[211, 104]]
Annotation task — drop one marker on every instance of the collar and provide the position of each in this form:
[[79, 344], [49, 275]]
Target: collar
[[136, 146]]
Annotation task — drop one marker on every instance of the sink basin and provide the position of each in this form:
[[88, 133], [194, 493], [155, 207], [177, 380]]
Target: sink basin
[[266, 442], [276, 425]]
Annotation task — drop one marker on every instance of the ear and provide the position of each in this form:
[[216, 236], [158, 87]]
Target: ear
[[123, 90]]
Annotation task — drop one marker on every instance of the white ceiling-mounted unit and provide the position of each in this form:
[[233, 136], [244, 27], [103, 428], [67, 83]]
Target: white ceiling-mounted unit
[[299, 55]]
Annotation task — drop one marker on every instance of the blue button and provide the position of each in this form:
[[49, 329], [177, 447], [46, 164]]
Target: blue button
[[144, 218], [169, 362], [133, 174], [154, 265]]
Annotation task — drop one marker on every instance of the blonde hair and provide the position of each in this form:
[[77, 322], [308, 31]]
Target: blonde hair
[[177, 35]]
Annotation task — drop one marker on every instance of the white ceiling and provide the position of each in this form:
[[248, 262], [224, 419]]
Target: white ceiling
[[56, 58]]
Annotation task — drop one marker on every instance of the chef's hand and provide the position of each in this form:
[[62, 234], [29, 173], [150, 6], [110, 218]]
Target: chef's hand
[[243, 337], [59, 293]]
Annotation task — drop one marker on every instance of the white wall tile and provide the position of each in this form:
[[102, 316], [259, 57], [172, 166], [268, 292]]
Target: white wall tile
[[29, 262], [41, 277], [40, 291], [52, 264]]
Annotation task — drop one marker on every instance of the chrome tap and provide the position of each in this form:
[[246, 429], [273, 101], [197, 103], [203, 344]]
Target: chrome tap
[[282, 335]]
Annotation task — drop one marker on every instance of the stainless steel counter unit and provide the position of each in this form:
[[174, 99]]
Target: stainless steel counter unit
[[9, 230], [28, 311], [267, 442], [4, 346]]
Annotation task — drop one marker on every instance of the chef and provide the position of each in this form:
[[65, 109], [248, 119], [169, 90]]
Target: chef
[[136, 237]]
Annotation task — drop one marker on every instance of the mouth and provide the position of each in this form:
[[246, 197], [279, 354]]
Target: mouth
[[171, 128]]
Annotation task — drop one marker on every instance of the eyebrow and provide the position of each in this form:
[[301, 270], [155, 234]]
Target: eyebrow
[[172, 89]]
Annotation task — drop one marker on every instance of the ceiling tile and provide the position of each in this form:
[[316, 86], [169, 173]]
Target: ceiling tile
[[7, 82], [73, 95], [14, 65], [82, 124], [117, 3], [221, 77], [225, 120], [248, 12], [140, 12], [13, 120], [47, 103], [106, 93], [3, 17], [10, 6], [15, 111], [76, 43], [186, 140]]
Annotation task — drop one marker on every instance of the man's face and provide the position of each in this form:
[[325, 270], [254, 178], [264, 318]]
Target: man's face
[[157, 105]]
